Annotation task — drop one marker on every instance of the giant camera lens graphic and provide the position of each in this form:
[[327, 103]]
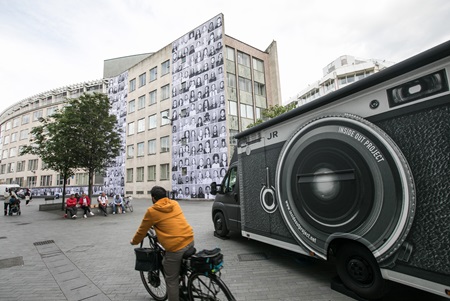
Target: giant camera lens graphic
[[342, 174]]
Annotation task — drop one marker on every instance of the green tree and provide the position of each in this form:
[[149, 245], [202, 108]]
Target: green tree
[[96, 135], [272, 112], [52, 142]]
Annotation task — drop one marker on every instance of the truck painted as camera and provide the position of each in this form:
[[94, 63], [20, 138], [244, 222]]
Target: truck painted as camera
[[359, 175]]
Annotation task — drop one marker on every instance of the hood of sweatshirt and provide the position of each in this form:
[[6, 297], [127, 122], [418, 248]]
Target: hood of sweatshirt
[[164, 205]]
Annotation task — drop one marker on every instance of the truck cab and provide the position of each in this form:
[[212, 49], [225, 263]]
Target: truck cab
[[226, 210]]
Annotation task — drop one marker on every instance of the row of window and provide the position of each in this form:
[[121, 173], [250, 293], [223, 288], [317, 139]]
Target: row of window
[[152, 123], [164, 144], [165, 94], [26, 119], [165, 69], [164, 173]]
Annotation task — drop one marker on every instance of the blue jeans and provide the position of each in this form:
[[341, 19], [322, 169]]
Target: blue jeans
[[120, 205]]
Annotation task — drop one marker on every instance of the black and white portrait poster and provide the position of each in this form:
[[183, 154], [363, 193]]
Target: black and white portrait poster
[[114, 181], [199, 135]]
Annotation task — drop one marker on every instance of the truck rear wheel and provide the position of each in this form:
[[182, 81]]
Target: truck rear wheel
[[359, 271], [220, 226]]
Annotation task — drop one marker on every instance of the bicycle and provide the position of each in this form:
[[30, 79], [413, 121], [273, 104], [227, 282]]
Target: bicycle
[[128, 204], [194, 284]]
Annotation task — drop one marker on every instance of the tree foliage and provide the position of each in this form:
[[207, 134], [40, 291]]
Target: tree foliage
[[82, 135], [272, 112], [97, 138]]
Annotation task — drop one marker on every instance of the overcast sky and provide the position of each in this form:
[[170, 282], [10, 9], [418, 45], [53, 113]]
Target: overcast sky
[[47, 44]]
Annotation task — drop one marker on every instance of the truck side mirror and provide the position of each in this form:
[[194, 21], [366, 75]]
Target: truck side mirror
[[213, 188]]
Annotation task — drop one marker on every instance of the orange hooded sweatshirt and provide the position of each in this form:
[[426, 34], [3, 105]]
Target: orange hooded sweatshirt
[[172, 228]]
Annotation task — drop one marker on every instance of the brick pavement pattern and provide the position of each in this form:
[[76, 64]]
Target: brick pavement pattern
[[44, 256]]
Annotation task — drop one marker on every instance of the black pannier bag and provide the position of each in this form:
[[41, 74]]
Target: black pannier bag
[[147, 259], [207, 261]]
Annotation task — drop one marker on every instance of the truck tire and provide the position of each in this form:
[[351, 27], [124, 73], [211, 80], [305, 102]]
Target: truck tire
[[359, 271], [220, 226]]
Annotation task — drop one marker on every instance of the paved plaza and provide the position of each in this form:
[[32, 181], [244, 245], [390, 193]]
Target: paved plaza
[[44, 256]]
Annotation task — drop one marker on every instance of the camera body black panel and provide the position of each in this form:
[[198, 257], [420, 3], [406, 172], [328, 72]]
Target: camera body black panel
[[368, 163]]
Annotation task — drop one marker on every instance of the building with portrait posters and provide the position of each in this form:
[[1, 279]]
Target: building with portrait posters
[[180, 108]]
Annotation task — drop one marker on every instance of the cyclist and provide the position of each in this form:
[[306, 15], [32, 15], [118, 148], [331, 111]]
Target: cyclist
[[173, 232]]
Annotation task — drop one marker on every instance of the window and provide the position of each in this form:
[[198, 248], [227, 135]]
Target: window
[[141, 125], [129, 175], [165, 174], [23, 134], [6, 140], [19, 181], [258, 65], [31, 181], [165, 67], [3, 169], [14, 137], [131, 106], [140, 174], [230, 54], [130, 128], [16, 122], [32, 165], [142, 79], [36, 116], [151, 173], [82, 178], [140, 149], [12, 152], [258, 113], [243, 59], [165, 92], [231, 80], [5, 154], [130, 151], [152, 96], [152, 147], [20, 166], [232, 108], [245, 84], [229, 181], [165, 117], [164, 143], [10, 167], [132, 85], [246, 111], [141, 102], [260, 89], [46, 181], [25, 119], [153, 73], [152, 121], [51, 111]]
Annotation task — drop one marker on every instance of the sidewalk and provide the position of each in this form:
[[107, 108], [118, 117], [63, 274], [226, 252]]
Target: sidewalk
[[44, 256]]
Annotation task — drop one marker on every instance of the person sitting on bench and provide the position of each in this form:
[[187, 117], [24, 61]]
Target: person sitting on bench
[[118, 201], [71, 206]]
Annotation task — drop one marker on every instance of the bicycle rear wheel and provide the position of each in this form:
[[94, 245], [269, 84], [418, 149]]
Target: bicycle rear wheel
[[155, 284], [210, 288]]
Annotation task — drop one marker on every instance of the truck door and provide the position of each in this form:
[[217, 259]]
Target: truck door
[[230, 198]]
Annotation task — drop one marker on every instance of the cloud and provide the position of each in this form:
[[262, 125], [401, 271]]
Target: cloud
[[52, 43]]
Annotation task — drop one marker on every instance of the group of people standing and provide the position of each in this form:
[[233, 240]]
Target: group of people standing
[[84, 202]]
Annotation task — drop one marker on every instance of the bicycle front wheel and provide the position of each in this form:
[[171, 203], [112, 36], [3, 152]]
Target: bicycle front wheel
[[130, 207], [155, 284], [211, 287]]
